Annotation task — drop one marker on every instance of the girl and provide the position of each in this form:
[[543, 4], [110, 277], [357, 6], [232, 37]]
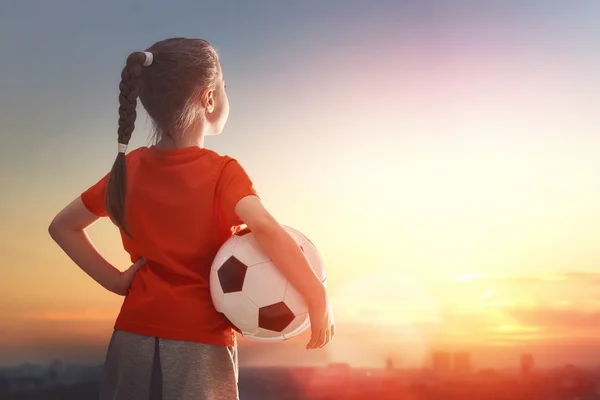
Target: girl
[[176, 203]]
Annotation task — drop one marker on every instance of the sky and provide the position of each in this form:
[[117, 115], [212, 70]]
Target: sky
[[443, 157]]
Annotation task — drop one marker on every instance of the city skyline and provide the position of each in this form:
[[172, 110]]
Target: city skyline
[[442, 381], [441, 363]]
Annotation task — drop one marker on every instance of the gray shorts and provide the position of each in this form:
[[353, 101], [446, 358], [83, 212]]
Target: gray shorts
[[142, 367]]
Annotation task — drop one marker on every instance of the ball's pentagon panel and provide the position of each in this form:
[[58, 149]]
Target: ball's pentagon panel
[[225, 252], [275, 317], [298, 325], [232, 274]]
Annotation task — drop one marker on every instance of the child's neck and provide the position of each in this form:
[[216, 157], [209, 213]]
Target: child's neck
[[169, 143]]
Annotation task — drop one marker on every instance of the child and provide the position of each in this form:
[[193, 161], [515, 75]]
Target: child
[[176, 203]]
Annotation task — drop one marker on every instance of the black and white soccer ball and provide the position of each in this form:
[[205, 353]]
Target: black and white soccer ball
[[253, 295]]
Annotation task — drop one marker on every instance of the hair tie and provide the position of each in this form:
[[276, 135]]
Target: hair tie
[[149, 59], [122, 148]]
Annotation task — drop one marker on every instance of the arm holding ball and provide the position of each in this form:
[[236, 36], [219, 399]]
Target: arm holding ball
[[287, 256]]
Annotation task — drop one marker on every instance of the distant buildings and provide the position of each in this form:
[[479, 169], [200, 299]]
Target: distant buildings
[[526, 365], [340, 381], [462, 362], [389, 364], [446, 362], [441, 362], [36, 378]]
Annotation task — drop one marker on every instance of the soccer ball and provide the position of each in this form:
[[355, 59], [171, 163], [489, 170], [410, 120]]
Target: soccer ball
[[253, 295]]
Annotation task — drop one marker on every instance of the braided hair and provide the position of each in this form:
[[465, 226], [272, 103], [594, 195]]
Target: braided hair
[[167, 89]]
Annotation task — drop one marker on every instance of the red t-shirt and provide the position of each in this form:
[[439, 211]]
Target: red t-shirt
[[180, 208]]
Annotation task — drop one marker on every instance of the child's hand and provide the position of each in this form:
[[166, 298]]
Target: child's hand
[[321, 325], [126, 277]]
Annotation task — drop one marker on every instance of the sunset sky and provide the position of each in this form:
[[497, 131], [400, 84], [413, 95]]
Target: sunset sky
[[443, 156]]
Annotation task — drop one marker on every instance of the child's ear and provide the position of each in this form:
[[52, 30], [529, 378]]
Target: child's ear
[[208, 100]]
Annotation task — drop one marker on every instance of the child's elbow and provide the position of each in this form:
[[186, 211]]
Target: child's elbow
[[55, 228]]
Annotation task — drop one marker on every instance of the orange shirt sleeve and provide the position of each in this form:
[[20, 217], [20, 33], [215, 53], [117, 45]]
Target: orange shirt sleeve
[[93, 197], [234, 184]]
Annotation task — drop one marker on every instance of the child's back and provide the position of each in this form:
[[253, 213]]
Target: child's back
[[180, 210]]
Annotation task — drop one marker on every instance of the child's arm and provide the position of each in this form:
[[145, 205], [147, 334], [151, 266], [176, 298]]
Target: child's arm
[[68, 231], [287, 256], [281, 247]]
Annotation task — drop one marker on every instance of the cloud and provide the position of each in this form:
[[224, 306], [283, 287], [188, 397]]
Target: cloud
[[554, 318], [559, 278], [585, 277]]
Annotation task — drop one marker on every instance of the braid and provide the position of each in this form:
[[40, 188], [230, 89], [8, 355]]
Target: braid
[[129, 90], [116, 189]]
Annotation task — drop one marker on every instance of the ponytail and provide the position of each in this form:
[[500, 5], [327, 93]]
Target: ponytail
[[116, 187]]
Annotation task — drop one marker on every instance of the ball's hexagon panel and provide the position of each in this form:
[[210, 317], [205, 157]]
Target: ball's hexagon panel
[[235, 328], [264, 284], [294, 300], [297, 235], [297, 326], [307, 240], [265, 335], [232, 274], [225, 252], [249, 252], [315, 260], [216, 291], [275, 317], [242, 313]]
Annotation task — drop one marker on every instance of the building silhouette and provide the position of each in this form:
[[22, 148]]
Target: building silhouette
[[441, 362], [389, 364], [462, 362], [527, 365]]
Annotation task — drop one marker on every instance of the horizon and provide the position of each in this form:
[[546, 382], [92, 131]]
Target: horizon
[[442, 158], [472, 368]]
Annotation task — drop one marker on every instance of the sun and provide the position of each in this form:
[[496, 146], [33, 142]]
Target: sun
[[383, 315]]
